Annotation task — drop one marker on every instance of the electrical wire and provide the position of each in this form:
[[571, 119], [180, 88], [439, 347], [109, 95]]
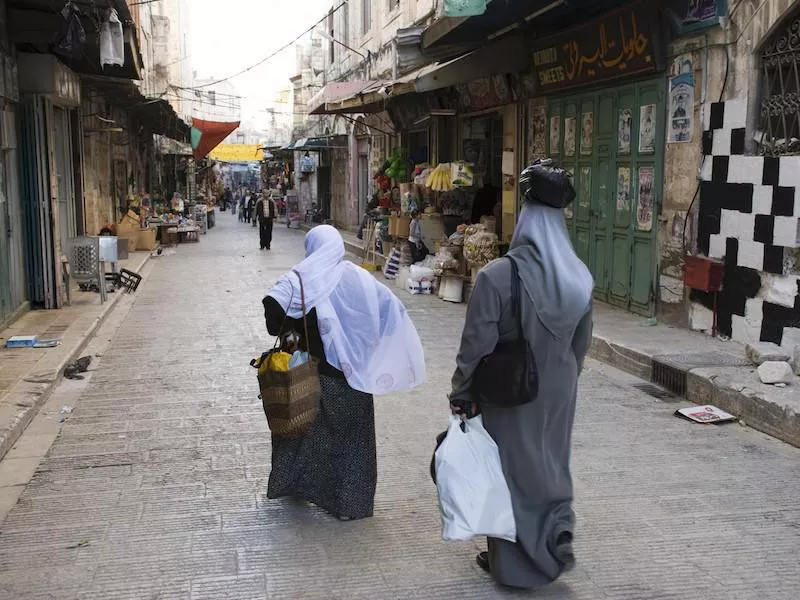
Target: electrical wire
[[273, 54]]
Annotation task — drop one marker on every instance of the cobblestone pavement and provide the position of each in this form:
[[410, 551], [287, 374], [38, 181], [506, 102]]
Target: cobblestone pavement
[[155, 487]]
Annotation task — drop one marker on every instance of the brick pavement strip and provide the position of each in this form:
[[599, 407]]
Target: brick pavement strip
[[155, 487]]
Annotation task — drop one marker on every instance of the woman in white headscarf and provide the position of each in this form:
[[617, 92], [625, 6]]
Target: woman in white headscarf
[[367, 345], [534, 439]]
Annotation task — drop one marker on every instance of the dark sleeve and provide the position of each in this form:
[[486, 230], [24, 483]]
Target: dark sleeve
[[274, 315], [480, 336], [582, 340]]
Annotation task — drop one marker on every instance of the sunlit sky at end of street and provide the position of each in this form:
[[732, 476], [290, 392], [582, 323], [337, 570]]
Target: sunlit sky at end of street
[[227, 36]]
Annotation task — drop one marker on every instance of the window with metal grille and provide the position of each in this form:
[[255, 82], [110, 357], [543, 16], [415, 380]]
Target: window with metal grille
[[780, 94]]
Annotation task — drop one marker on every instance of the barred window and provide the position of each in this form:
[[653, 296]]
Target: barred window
[[780, 95]]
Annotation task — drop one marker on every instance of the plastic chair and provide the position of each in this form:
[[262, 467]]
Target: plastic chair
[[85, 264]]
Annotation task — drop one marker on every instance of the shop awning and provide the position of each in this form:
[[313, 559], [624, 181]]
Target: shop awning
[[157, 115], [319, 143], [166, 146], [507, 55], [207, 135], [36, 26], [503, 15], [342, 97], [237, 153]]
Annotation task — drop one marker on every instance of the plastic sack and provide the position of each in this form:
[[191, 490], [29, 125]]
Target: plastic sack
[[298, 358], [112, 42], [474, 499], [278, 361], [420, 273]]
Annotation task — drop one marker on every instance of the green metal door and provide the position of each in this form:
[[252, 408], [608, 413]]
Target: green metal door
[[612, 142]]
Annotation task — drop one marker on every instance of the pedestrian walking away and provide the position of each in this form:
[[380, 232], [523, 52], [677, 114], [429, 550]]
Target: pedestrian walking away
[[366, 345], [554, 315], [241, 212], [250, 205], [266, 212]]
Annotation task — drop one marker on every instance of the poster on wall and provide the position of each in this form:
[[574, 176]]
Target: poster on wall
[[623, 189], [644, 211], [587, 131], [537, 133], [624, 131], [570, 127], [555, 134], [647, 129], [681, 103]]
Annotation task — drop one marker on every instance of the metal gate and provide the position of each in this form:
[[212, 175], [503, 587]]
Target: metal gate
[[38, 214]]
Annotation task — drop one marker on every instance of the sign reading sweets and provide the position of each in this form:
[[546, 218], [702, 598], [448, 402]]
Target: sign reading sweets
[[619, 44]]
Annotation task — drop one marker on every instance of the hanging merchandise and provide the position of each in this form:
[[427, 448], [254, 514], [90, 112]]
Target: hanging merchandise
[[462, 174], [112, 42], [72, 35], [307, 164], [398, 166], [440, 179]]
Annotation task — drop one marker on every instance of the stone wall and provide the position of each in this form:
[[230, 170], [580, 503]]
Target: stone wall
[[750, 218]]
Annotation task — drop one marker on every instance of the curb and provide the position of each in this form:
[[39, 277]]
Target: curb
[[703, 387], [30, 396]]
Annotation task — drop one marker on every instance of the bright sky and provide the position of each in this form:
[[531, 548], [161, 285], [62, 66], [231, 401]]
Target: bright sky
[[229, 35]]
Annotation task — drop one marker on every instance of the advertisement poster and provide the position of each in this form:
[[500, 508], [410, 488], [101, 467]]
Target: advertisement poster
[[644, 212], [647, 129], [570, 127], [537, 133], [681, 104], [555, 135], [624, 131], [587, 129], [623, 189]]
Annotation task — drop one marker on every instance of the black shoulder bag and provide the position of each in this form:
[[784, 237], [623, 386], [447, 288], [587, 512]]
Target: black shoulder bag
[[508, 376]]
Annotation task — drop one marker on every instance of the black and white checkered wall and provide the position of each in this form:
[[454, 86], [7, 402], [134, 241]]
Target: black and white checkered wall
[[749, 215]]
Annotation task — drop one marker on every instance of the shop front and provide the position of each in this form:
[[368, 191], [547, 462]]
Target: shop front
[[50, 96], [603, 118]]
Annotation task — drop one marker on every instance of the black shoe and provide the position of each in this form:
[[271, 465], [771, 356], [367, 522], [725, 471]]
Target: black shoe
[[564, 551], [483, 561]]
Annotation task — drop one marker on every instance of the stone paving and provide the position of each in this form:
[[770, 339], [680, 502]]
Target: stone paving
[[155, 486]]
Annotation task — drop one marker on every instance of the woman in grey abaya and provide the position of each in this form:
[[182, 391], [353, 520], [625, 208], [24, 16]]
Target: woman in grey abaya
[[534, 439]]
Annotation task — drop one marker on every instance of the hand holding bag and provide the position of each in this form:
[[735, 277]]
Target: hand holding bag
[[508, 376], [290, 398], [474, 498]]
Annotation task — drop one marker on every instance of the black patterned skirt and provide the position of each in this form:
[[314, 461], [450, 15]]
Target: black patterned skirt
[[334, 465]]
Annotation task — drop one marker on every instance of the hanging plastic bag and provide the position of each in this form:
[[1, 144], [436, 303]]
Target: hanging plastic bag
[[112, 43], [473, 494]]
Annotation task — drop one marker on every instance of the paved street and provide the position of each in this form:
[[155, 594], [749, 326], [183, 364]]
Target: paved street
[[155, 487]]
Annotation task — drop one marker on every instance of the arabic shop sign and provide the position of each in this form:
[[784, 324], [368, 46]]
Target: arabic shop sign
[[620, 44]]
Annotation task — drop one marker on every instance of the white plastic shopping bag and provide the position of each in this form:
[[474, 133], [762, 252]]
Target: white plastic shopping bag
[[473, 493]]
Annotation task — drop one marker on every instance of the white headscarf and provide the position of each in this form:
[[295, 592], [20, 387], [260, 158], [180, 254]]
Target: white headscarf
[[556, 280], [365, 329]]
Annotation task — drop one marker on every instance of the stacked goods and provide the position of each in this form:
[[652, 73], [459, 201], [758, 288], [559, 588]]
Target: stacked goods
[[480, 245], [440, 179], [392, 266]]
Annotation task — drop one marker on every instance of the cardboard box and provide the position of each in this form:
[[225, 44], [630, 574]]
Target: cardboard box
[[399, 226], [146, 240]]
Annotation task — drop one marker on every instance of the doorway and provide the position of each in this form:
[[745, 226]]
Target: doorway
[[62, 151], [612, 143]]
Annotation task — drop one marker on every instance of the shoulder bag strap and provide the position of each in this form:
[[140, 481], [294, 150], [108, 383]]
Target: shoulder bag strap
[[283, 323], [303, 308], [515, 297]]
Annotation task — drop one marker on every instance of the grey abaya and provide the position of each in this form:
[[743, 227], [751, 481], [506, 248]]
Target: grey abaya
[[534, 439]]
